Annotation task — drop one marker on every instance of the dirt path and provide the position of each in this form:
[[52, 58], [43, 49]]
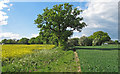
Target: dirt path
[[77, 61]]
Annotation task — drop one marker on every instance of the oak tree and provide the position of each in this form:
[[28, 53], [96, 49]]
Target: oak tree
[[58, 19]]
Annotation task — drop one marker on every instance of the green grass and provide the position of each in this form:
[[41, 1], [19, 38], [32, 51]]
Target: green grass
[[57, 60], [103, 46], [98, 60], [54, 60]]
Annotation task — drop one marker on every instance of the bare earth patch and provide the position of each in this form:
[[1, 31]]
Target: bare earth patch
[[77, 61]]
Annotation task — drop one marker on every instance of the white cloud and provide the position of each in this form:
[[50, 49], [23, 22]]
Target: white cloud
[[8, 9], [9, 35], [62, 0], [3, 22], [68, 28], [101, 15], [11, 4], [84, 35], [103, 0], [76, 31], [3, 5], [49, 0], [74, 36], [3, 15], [34, 35]]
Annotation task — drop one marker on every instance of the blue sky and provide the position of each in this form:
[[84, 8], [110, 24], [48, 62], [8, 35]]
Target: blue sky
[[21, 16]]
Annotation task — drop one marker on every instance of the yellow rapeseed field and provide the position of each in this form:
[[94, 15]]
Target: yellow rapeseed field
[[19, 50]]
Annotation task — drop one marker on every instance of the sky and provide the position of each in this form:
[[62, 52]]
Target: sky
[[17, 17]]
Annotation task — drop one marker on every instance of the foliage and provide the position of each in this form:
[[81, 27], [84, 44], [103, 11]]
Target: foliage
[[9, 41], [96, 42], [23, 41], [85, 41], [66, 17], [48, 37], [98, 60], [38, 40], [116, 42], [53, 40], [54, 60], [73, 42], [4, 41], [99, 37], [32, 41]]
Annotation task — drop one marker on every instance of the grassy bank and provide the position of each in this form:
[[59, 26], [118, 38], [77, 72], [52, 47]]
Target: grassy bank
[[43, 60]]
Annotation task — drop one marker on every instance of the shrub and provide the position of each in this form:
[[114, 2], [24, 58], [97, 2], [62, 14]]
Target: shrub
[[110, 42]]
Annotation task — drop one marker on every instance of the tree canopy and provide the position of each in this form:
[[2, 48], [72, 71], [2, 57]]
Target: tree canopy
[[99, 37], [85, 41], [32, 41], [73, 42], [23, 41], [57, 19]]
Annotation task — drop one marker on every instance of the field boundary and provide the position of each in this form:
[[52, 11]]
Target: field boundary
[[77, 61]]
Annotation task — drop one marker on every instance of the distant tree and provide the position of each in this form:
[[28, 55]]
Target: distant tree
[[99, 37], [10, 41], [32, 41], [85, 41], [89, 41], [14, 41], [38, 40], [116, 42], [4, 41], [73, 42], [96, 42], [17, 41], [58, 19], [23, 41]]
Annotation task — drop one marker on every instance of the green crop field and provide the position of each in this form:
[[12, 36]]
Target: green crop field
[[101, 59], [37, 58], [48, 58]]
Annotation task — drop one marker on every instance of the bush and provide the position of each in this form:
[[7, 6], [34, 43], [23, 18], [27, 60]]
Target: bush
[[110, 42]]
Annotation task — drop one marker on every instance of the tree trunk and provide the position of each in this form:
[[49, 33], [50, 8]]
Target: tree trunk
[[59, 42]]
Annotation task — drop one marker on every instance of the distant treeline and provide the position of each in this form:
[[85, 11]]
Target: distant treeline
[[34, 40], [98, 38]]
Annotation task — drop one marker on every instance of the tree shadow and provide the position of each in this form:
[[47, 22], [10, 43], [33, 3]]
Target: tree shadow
[[78, 48]]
